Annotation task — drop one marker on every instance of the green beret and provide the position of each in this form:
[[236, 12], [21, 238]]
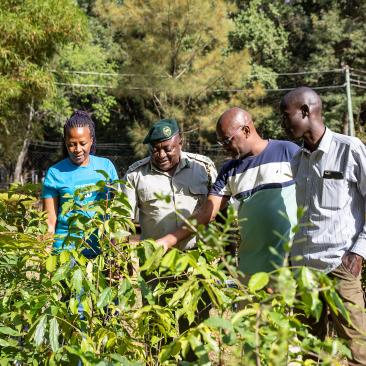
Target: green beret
[[163, 130]]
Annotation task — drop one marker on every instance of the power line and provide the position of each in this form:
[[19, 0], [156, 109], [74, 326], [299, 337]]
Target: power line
[[286, 89], [359, 86], [215, 90], [99, 86], [358, 81], [95, 73], [358, 70], [166, 76], [299, 73], [357, 75], [86, 85]]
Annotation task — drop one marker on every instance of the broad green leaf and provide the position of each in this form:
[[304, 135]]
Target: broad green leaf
[[73, 306], [8, 343], [153, 261], [40, 330], [64, 256], [286, 285], [307, 277], [77, 280], [51, 263], [67, 206], [169, 260], [243, 314], [9, 331], [145, 290], [171, 350], [258, 281], [54, 334], [104, 173], [105, 297], [60, 273], [219, 323], [336, 303]]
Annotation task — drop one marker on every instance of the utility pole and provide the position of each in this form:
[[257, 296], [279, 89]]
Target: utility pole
[[351, 126]]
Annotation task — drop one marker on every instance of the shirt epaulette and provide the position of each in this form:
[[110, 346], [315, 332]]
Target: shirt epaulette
[[137, 164], [201, 158]]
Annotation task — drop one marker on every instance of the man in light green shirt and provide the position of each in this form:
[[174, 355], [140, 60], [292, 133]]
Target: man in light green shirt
[[185, 178]]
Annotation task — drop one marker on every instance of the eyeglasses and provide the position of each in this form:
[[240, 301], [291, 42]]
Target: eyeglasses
[[227, 141]]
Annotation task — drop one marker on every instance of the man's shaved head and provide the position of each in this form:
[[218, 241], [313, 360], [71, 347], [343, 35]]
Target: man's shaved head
[[302, 96], [236, 132], [301, 111], [233, 117]]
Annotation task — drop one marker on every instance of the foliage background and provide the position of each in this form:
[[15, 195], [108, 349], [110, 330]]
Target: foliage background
[[132, 62]]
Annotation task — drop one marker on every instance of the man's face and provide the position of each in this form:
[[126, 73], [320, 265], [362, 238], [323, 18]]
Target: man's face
[[233, 139], [295, 121], [166, 155]]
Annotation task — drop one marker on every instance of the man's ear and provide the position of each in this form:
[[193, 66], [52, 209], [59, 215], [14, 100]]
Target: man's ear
[[246, 130], [180, 140], [305, 110]]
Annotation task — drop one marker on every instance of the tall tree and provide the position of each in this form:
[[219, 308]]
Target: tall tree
[[32, 32], [177, 62]]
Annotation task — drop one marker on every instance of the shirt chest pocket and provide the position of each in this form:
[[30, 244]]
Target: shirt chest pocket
[[149, 195], [198, 190], [334, 193]]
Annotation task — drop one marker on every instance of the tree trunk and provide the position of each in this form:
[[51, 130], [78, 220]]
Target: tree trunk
[[24, 150]]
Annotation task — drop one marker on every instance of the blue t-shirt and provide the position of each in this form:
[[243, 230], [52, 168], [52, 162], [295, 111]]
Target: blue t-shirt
[[62, 180], [264, 186]]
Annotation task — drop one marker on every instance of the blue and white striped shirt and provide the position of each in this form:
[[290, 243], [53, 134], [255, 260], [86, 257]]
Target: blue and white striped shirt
[[264, 186], [331, 184]]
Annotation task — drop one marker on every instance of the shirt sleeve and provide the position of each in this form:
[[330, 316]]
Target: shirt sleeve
[[221, 187], [213, 173], [49, 189], [129, 190], [359, 153]]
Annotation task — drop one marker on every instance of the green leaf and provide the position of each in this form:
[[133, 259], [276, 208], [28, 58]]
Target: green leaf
[[104, 173], [258, 281], [77, 280], [54, 334], [40, 330], [170, 350], [219, 323], [105, 297], [242, 315], [64, 256], [286, 285], [153, 261], [336, 303], [307, 278], [9, 331], [61, 273], [73, 306], [170, 260], [51, 263]]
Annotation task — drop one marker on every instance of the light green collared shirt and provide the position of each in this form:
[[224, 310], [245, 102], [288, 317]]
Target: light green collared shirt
[[187, 190]]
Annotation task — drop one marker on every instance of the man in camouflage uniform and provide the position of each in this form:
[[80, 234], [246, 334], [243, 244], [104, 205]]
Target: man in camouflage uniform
[[186, 178]]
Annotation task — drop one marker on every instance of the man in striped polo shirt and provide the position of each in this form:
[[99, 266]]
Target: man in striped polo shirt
[[259, 177]]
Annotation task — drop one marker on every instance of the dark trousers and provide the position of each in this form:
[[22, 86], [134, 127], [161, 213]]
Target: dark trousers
[[350, 290]]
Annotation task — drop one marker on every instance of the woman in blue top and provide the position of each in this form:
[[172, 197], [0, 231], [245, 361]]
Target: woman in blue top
[[77, 171]]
